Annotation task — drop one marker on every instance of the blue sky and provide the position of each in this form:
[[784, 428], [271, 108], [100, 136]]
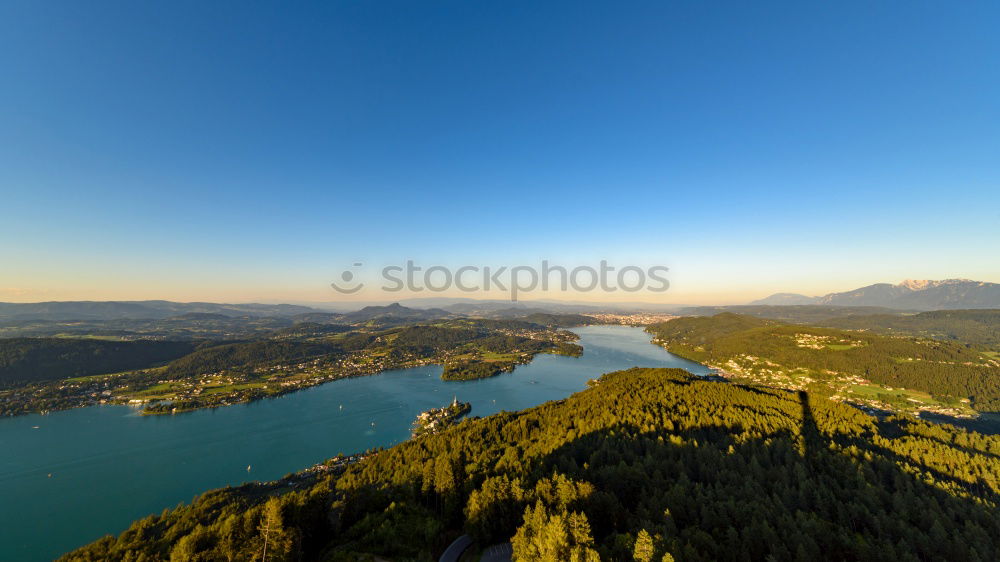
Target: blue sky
[[237, 151]]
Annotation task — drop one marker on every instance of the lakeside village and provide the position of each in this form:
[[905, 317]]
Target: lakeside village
[[306, 477], [227, 388], [222, 388], [630, 319], [438, 419]]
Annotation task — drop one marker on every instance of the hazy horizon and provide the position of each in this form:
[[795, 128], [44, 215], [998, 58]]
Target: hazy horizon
[[722, 293], [423, 300]]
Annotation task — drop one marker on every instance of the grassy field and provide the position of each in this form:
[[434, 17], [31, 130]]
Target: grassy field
[[88, 337], [90, 378], [491, 356], [226, 388]]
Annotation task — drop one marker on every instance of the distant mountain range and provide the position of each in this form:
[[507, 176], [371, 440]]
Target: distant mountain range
[[785, 299], [419, 310], [908, 295], [394, 313], [203, 311], [502, 308], [111, 310]]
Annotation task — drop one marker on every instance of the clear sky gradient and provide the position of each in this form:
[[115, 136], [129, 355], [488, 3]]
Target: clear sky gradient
[[234, 151]]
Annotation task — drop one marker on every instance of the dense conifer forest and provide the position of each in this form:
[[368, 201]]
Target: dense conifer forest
[[28, 360], [648, 464]]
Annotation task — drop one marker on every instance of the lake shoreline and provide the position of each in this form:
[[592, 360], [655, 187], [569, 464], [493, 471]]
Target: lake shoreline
[[95, 455]]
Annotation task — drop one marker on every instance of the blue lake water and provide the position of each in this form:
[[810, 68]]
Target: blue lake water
[[70, 477]]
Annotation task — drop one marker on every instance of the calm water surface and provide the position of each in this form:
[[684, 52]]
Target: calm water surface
[[109, 466]]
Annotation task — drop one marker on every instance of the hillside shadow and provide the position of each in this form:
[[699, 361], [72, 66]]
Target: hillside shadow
[[799, 481], [812, 440], [812, 493]]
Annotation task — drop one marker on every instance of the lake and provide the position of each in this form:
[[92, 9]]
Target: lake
[[70, 477]]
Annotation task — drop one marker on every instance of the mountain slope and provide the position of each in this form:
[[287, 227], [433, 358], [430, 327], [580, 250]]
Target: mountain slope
[[921, 295], [908, 295], [700, 470]]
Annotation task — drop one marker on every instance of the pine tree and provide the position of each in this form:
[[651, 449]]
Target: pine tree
[[643, 551]]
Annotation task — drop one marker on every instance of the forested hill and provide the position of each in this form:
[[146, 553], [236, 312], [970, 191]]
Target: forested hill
[[975, 327], [26, 360], [648, 462], [752, 345], [796, 314]]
